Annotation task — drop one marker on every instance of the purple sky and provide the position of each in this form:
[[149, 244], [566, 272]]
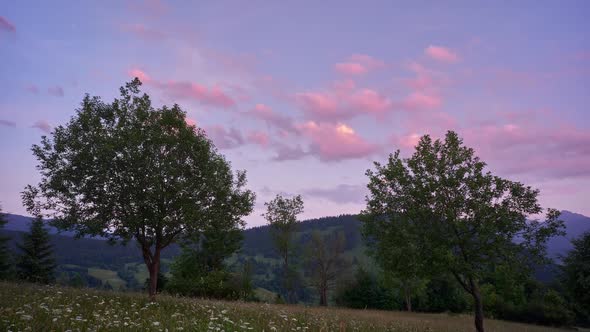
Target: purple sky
[[304, 95]]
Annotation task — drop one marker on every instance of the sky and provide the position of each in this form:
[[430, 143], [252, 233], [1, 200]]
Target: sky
[[305, 95]]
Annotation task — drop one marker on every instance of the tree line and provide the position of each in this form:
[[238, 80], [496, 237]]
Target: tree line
[[437, 220]]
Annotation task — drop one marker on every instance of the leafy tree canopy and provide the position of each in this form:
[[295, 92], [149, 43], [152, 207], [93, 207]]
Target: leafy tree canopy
[[126, 170]]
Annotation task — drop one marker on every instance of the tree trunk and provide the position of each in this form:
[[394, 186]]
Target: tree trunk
[[154, 268], [153, 265], [408, 302], [478, 304], [323, 296]]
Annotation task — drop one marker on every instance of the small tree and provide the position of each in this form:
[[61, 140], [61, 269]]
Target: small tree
[[465, 220], [127, 171], [325, 261], [5, 265], [36, 264], [577, 274], [281, 214]]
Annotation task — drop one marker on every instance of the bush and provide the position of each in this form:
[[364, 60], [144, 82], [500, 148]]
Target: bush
[[366, 292], [545, 308]]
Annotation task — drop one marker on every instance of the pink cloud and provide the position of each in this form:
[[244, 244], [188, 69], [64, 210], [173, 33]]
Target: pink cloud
[[213, 96], [143, 77], [208, 96], [334, 142], [5, 25], [43, 125], [528, 149], [367, 60], [258, 137], [369, 101], [358, 64], [419, 101], [191, 121], [350, 68], [425, 79], [441, 54], [57, 91], [319, 104], [342, 101]]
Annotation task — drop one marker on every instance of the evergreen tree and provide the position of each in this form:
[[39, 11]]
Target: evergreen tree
[[4, 252], [36, 264]]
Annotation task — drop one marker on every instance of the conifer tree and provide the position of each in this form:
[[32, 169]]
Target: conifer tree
[[36, 264], [4, 251]]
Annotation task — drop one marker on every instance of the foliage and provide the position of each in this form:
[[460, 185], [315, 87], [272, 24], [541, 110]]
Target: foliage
[[126, 171], [465, 220], [193, 274], [36, 263], [325, 262], [5, 265], [366, 292], [577, 275], [281, 214], [395, 247]]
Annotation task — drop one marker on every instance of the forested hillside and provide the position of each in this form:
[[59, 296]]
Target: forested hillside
[[121, 267]]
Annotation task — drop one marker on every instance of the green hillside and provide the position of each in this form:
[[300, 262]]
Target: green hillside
[[121, 267]]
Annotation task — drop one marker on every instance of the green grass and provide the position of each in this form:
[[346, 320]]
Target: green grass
[[50, 308], [108, 276]]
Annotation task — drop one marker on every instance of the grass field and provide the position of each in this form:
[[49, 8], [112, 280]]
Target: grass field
[[49, 308]]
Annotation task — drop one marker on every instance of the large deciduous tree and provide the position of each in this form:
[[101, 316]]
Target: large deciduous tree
[[464, 219], [281, 214], [125, 170]]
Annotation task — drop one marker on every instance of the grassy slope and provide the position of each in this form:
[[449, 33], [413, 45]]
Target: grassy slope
[[50, 308]]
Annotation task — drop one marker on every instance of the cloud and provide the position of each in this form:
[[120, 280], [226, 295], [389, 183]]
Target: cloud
[[341, 194], [358, 64], [57, 91], [369, 101], [350, 68], [441, 54], [7, 123], [6, 25], [224, 138], [143, 77], [258, 137], [529, 149], [272, 118], [420, 101], [285, 152], [342, 101], [318, 104], [43, 125], [213, 96], [335, 142]]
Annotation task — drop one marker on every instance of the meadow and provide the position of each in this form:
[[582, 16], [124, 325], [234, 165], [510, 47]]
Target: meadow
[[29, 307]]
